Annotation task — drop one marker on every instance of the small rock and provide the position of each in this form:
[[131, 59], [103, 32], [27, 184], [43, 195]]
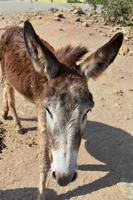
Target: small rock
[[109, 35], [72, 9], [77, 19], [112, 18], [59, 15], [90, 15], [35, 14], [106, 35], [113, 30], [131, 90], [124, 50], [61, 29], [126, 39], [130, 53], [131, 18], [96, 20], [78, 11], [91, 34], [116, 29], [119, 92], [127, 118], [75, 11], [39, 17], [117, 105], [85, 24], [2, 17], [105, 23], [57, 19], [53, 10], [21, 21], [130, 43]]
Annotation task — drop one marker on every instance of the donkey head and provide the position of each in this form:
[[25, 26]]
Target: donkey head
[[68, 97]]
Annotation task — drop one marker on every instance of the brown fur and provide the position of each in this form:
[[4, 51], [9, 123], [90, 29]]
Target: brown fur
[[70, 55], [19, 73], [18, 67]]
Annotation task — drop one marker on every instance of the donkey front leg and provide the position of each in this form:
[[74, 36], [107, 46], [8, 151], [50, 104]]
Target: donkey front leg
[[43, 156], [11, 104], [5, 103], [43, 178]]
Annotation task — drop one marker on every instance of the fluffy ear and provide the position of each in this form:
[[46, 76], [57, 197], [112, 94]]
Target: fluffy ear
[[97, 62], [41, 56]]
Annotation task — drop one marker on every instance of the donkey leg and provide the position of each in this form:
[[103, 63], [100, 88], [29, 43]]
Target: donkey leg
[[44, 169], [42, 184], [43, 156], [11, 104], [5, 104]]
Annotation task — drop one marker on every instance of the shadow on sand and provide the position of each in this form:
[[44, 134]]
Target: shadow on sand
[[108, 144], [29, 129]]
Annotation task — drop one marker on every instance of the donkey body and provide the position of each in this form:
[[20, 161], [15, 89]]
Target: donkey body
[[58, 87]]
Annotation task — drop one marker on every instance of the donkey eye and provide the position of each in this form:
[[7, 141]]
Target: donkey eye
[[47, 109]]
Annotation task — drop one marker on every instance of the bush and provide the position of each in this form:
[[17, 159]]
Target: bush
[[118, 11]]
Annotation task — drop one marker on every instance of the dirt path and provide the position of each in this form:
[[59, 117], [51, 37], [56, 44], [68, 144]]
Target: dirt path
[[106, 153]]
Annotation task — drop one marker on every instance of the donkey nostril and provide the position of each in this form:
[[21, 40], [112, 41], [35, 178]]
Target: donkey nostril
[[75, 176], [53, 174]]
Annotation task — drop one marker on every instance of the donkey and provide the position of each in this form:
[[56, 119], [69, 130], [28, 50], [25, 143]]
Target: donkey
[[58, 86]]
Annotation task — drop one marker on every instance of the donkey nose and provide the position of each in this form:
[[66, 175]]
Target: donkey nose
[[53, 175], [74, 177], [62, 179]]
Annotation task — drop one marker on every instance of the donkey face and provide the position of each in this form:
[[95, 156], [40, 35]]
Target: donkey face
[[69, 99], [66, 112]]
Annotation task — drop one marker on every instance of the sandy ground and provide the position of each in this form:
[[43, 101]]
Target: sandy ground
[[106, 154]]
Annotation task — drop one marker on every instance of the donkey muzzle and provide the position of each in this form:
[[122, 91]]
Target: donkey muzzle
[[64, 179]]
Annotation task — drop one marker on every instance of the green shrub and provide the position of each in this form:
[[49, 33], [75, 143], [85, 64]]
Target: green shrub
[[74, 1], [118, 11]]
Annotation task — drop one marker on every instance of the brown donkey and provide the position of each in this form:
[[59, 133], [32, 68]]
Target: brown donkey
[[58, 87]]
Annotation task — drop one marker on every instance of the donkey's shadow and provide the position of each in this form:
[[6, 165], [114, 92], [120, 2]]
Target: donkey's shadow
[[110, 145]]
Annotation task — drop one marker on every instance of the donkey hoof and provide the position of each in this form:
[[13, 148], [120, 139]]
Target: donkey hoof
[[21, 131], [4, 115]]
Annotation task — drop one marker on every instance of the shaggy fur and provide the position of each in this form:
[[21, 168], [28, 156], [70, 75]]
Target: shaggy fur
[[60, 78]]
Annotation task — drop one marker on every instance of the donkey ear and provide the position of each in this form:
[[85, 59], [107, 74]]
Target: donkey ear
[[42, 57], [97, 62]]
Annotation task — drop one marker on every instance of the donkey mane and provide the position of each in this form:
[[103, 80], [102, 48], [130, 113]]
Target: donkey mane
[[69, 55]]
